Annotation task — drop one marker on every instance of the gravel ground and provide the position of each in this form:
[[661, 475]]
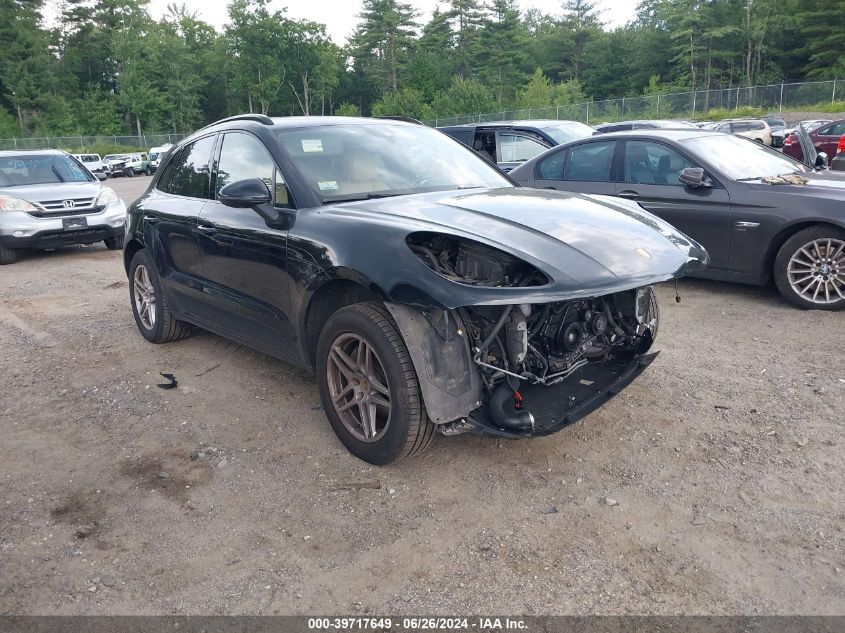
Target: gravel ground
[[713, 485]]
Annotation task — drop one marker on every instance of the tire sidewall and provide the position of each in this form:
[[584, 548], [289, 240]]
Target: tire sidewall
[[156, 334], [390, 446], [789, 248]]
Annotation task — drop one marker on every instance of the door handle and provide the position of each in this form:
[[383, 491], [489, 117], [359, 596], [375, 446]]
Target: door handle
[[206, 230], [630, 195], [151, 219], [746, 225]]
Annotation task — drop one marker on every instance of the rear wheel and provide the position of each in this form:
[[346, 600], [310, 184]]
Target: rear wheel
[[8, 255], [369, 388], [810, 268], [149, 304], [114, 243]]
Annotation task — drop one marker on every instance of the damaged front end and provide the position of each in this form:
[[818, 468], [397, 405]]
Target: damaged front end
[[521, 369]]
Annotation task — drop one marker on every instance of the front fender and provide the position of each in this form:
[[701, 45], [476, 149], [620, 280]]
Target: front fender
[[439, 348]]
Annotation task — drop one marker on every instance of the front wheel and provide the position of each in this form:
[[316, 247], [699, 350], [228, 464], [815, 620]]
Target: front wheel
[[809, 268], [369, 388], [8, 255], [114, 243], [150, 306]]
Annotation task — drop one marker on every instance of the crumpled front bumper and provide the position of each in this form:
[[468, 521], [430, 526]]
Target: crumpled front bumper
[[21, 230]]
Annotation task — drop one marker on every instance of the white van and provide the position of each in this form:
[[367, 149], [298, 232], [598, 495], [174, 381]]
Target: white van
[[156, 154]]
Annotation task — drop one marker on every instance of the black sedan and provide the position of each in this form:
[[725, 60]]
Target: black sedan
[[427, 292], [760, 215]]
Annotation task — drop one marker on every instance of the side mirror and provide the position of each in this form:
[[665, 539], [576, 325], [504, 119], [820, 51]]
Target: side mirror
[[251, 193], [693, 177], [821, 160], [245, 194]]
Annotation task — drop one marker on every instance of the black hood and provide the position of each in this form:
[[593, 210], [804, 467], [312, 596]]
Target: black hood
[[586, 245]]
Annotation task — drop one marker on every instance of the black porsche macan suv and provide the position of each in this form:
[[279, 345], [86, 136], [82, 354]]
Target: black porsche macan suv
[[426, 291]]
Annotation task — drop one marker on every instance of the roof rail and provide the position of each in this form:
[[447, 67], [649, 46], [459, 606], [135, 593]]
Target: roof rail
[[404, 119], [258, 118]]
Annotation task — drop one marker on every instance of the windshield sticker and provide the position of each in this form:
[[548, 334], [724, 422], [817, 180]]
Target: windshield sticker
[[312, 145], [327, 185]]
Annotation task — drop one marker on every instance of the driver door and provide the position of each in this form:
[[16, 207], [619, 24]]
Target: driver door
[[650, 176], [245, 260]]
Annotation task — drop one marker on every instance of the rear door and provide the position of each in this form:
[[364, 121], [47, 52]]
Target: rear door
[[649, 175], [169, 222], [245, 260], [584, 168]]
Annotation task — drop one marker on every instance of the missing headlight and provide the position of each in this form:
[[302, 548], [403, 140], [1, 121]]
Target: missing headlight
[[469, 262]]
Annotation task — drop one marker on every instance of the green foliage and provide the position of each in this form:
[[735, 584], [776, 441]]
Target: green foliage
[[405, 102], [110, 67], [347, 109], [464, 96]]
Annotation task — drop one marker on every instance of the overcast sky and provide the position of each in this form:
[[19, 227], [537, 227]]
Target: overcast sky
[[340, 19]]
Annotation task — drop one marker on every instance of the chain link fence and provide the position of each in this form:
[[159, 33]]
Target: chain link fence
[[81, 143], [682, 105]]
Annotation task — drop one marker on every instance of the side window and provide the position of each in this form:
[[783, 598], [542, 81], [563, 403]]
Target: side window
[[187, 174], [650, 163], [725, 127], [590, 162], [551, 168], [516, 148], [485, 143], [243, 156], [837, 129]]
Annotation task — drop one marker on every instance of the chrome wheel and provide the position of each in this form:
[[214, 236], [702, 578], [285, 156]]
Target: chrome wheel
[[145, 297], [816, 272], [358, 387]]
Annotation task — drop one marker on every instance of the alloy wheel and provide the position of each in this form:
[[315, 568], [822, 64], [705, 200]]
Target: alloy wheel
[[816, 272], [358, 386], [145, 297]]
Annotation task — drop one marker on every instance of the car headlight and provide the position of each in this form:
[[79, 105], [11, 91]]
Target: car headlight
[[16, 204], [107, 196]]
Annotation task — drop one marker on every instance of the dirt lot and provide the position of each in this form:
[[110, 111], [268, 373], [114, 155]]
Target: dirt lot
[[230, 494]]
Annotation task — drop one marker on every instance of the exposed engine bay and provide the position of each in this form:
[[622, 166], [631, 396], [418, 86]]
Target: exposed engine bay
[[522, 346], [552, 343]]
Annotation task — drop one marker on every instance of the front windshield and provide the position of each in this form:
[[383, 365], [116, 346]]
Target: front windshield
[[565, 132], [153, 155], [350, 162], [113, 157], [40, 170], [741, 159]]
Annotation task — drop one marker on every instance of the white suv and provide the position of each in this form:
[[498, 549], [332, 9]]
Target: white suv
[[755, 129]]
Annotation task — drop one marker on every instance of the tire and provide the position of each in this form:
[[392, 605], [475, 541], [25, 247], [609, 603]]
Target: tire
[[162, 328], [8, 255], [401, 428], [148, 171], [114, 243], [808, 273]]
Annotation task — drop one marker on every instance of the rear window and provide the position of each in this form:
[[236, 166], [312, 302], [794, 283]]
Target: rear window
[[41, 170]]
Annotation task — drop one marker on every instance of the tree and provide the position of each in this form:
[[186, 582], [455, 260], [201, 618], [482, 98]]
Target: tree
[[404, 102], [466, 17], [464, 96], [502, 44], [383, 40]]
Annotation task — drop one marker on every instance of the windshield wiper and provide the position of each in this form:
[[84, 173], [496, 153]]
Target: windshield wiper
[[353, 197]]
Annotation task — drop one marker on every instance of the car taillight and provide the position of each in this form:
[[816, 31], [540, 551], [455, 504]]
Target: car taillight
[[787, 140], [841, 147]]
